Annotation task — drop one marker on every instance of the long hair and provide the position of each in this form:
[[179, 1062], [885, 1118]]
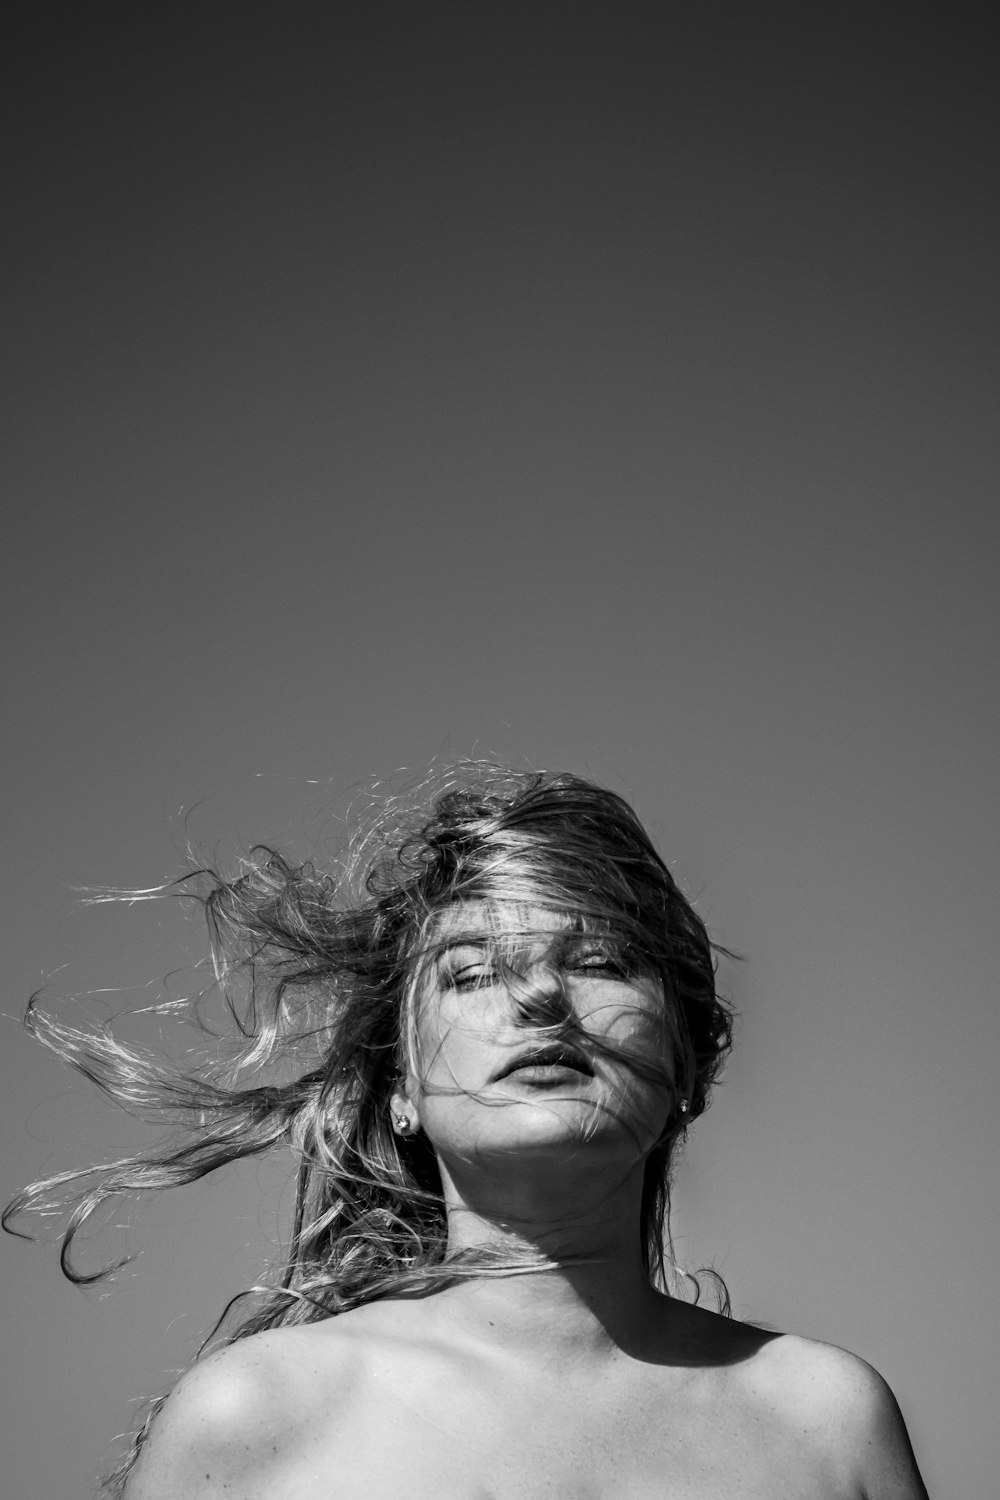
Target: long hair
[[318, 975]]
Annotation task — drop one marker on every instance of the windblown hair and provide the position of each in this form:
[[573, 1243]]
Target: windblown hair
[[321, 977]]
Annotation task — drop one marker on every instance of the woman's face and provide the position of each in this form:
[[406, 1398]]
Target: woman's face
[[530, 1037]]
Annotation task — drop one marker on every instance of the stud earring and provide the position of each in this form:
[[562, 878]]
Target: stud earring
[[402, 1123]]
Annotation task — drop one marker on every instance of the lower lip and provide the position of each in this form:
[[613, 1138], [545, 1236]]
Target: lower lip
[[546, 1075]]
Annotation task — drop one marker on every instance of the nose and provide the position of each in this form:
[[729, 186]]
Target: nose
[[541, 998]]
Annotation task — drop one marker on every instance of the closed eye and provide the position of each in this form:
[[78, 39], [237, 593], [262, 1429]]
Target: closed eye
[[605, 959], [472, 977]]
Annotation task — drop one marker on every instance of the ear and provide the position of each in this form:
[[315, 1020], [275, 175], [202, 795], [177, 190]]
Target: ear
[[405, 1116]]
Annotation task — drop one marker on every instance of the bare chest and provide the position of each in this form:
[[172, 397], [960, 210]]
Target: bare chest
[[656, 1438]]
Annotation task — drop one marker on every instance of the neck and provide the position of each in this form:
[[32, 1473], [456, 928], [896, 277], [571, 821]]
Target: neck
[[577, 1281]]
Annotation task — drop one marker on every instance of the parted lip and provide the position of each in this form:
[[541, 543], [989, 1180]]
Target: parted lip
[[555, 1054]]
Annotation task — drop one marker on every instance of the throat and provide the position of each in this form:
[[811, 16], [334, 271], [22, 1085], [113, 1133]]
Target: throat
[[580, 1309]]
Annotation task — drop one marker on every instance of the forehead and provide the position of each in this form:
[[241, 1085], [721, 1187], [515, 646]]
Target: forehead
[[513, 922]]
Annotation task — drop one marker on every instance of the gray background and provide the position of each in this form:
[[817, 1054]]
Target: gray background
[[609, 388]]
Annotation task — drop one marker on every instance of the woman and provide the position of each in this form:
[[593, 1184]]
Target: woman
[[499, 1025]]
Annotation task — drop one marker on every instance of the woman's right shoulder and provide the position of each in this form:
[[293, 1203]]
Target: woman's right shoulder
[[235, 1420]]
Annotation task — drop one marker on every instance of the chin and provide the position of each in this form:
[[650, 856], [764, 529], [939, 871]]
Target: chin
[[555, 1128]]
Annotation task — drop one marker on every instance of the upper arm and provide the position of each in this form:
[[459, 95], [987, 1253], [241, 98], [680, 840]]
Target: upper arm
[[218, 1434], [888, 1468]]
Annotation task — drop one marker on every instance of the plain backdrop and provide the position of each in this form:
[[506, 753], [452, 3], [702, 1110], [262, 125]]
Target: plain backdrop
[[601, 387]]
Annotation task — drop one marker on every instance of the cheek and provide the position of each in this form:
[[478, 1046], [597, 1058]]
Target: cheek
[[627, 1017], [635, 1026], [451, 1044]]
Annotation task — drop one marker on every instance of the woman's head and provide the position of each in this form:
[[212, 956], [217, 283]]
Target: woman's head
[[547, 892], [532, 1037], [507, 858]]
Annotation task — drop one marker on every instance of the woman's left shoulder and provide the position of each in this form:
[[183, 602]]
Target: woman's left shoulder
[[814, 1374], [845, 1404]]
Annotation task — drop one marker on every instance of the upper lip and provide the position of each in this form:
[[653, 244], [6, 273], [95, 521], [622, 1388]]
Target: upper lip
[[551, 1055]]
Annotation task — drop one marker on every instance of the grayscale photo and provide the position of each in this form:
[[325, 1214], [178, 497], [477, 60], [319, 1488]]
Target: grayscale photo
[[501, 730]]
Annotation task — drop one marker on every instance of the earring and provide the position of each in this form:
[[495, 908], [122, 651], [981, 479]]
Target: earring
[[683, 1107], [402, 1123]]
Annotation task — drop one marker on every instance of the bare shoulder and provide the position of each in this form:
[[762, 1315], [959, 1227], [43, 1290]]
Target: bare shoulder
[[234, 1420], [840, 1402]]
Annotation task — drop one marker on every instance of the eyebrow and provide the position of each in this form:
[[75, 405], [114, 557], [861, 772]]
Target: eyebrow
[[558, 943]]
